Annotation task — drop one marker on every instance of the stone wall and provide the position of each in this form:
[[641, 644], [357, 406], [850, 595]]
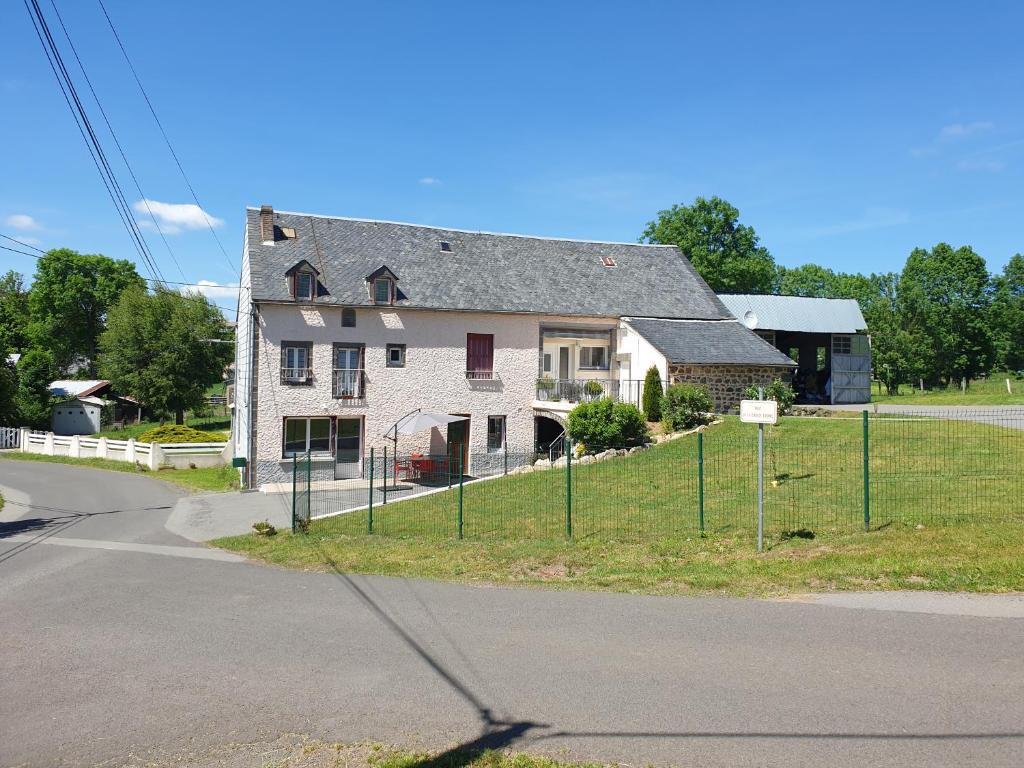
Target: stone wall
[[726, 383]]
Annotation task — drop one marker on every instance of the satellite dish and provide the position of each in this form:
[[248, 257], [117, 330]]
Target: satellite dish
[[750, 319]]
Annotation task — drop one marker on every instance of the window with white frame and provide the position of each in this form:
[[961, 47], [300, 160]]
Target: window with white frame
[[594, 358], [304, 286], [382, 290], [495, 434], [396, 355], [547, 362], [307, 435], [295, 362]]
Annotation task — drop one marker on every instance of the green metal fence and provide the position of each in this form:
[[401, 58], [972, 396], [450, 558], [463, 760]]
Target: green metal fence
[[842, 473]]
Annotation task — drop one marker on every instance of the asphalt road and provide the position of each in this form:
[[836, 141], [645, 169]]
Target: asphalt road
[[1009, 416], [121, 639]]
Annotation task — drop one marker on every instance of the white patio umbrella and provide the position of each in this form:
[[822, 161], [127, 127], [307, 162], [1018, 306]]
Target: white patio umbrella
[[419, 421]]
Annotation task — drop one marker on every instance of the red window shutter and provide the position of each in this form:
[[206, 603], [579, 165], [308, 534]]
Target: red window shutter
[[479, 352]]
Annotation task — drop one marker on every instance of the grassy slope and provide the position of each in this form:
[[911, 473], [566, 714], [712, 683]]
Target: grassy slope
[[987, 392], [204, 479], [922, 470], [635, 518], [211, 424]]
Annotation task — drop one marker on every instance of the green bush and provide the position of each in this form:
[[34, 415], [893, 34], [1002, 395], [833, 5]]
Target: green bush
[[779, 391], [605, 424], [685, 406], [177, 433], [652, 394]]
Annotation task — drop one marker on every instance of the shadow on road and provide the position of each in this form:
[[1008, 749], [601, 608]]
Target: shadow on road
[[498, 734], [45, 527]]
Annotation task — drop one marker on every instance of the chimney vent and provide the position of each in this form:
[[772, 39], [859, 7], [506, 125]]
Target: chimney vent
[[267, 224]]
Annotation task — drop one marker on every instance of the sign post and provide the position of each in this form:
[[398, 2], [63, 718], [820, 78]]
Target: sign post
[[759, 412]]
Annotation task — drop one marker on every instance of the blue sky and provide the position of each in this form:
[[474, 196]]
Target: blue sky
[[845, 137]]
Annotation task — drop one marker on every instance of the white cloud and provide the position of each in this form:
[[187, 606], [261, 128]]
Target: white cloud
[[430, 181], [23, 222], [961, 130], [175, 217], [213, 291], [977, 164]]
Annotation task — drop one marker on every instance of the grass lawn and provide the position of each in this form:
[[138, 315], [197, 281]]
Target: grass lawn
[[971, 558], [207, 424], [635, 518], [204, 479], [984, 392]]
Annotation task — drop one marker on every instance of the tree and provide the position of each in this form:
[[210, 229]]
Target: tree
[[652, 394], [8, 389], [36, 370], [725, 253], [13, 313], [1007, 318], [69, 301], [156, 348], [943, 296]]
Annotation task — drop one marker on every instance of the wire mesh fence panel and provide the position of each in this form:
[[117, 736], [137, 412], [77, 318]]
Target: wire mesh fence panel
[[924, 468], [301, 492], [813, 475], [947, 466], [633, 496], [730, 479], [518, 505]]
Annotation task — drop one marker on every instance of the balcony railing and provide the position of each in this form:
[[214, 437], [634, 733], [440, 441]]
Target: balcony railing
[[587, 390], [296, 375], [577, 390], [349, 383], [480, 375]]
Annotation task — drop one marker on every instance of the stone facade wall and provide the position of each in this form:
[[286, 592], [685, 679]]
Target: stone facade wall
[[433, 379], [726, 383]]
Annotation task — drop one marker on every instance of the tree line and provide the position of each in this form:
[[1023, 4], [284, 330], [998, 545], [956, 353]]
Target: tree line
[[942, 319], [88, 316]]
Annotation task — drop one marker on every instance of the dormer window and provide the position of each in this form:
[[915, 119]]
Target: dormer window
[[304, 282], [383, 291], [383, 285]]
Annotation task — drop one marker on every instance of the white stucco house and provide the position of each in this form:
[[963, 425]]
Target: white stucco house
[[347, 325]]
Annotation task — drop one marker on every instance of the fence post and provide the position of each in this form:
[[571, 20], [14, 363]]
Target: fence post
[[369, 506], [309, 490], [700, 481], [505, 457], [384, 473], [460, 494], [295, 476], [568, 489], [867, 476]]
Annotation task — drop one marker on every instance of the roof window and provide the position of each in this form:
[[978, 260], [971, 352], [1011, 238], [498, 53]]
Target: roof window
[[446, 247], [608, 261]]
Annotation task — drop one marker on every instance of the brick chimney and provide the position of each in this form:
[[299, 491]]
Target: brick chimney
[[267, 224]]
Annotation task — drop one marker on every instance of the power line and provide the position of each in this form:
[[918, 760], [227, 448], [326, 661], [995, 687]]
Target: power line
[[85, 128], [15, 250], [163, 133], [19, 242], [113, 135]]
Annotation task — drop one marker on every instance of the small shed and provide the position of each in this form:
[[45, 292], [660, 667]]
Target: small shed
[[78, 416], [826, 337], [80, 404]]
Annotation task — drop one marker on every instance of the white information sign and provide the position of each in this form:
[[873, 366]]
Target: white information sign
[[759, 411]]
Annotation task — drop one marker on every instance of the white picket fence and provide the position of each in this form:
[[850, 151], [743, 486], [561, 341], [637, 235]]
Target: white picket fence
[[10, 437], [151, 455]]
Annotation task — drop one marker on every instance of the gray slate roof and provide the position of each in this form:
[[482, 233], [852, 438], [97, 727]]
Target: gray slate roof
[[484, 271], [721, 342], [798, 313]]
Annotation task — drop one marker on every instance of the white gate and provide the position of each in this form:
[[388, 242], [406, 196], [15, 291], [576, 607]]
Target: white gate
[[9, 437], [851, 369]]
